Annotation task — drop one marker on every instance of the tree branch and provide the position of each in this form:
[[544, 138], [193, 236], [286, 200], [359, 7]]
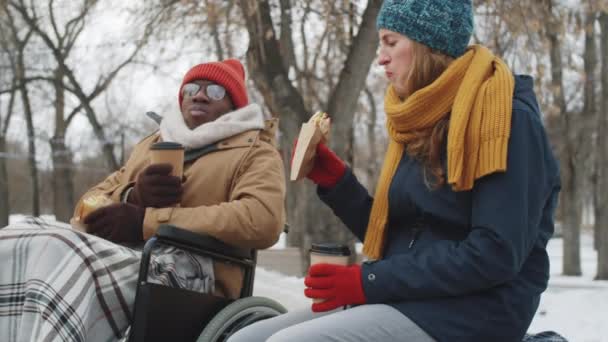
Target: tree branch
[[102, 83], [212, 22], [286, 41], [9, 110], [265, 64], [54, 23], [344, 97]]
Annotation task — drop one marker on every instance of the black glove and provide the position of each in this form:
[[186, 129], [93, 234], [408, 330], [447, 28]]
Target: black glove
[[155, 187], [119, 222]]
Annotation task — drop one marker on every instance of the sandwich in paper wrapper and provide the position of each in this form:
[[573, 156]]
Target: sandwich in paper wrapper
[[313, 132], [89, 205]]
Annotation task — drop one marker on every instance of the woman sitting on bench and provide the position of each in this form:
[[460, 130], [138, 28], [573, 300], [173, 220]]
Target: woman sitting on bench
[[457, 230]]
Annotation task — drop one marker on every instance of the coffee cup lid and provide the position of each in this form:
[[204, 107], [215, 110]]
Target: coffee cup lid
[[330, 248], [167, 145]]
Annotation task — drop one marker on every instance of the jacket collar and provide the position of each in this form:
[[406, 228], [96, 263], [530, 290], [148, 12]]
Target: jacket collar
[[245, 139], [173, 128]]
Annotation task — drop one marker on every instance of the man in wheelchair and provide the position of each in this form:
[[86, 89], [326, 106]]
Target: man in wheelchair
[[233, 185], [66, 285]]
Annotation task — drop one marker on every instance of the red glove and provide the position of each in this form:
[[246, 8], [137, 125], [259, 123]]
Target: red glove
[[119, 222], [328, 168], [338, 285], [155, 187]]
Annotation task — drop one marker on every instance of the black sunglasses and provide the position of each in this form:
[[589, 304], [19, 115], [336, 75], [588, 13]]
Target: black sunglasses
[[213, 91]]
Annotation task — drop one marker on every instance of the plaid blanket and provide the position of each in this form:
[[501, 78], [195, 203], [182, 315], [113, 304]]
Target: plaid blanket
[[58, 284]]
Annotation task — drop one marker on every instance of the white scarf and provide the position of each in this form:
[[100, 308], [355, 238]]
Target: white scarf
[[173, 127]]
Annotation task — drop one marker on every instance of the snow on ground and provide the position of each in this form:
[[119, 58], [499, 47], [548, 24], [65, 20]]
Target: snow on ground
[[575, 307], [288, 291]]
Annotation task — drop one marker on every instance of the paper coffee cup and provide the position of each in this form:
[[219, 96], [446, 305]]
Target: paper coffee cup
[[329, 253], [167, 152]]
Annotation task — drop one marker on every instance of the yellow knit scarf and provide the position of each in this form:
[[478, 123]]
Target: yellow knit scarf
[[476, 90]]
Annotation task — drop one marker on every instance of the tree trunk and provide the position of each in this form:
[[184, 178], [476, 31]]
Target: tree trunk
[[342, 107], [4, 191], [63, 186], [286, 41], [572, 222], [588, 119], [228, 20], [372, 167], [266, 68], [107, 145], [5, 209], [601, 210], [310, 220], [345, 96], [31, 139], [17, 64], [569, 200], [212, 22]]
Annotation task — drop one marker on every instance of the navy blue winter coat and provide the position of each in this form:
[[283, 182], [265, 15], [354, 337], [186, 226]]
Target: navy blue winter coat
[[471, 265]]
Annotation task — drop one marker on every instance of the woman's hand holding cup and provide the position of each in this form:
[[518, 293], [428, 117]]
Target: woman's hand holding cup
[[331, 282], [332, 286]]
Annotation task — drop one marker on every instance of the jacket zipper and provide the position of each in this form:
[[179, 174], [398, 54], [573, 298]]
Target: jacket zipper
[[415, 234]]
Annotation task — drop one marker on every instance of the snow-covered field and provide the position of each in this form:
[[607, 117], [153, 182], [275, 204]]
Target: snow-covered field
[[575, 307]]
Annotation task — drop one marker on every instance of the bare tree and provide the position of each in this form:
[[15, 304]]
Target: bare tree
[[286, 40], [266, 61], [588, 118], [373, 166], [57, 44], [601, 189], [344, 97], [267, 69], [213, 20], [570, 196], [19, 42], [5, 117], [63, 186], [4, 181], [60, 40]]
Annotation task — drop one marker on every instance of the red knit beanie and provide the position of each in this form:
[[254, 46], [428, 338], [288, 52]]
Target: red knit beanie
[[229, 73]]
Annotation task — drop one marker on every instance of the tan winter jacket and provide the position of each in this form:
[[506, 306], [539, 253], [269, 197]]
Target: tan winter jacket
[[234, 192]]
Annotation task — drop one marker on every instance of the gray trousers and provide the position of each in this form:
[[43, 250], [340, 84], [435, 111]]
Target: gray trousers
[[377, 322]]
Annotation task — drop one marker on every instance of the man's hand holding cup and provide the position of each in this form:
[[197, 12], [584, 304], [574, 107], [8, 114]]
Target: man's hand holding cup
[[156, 187]]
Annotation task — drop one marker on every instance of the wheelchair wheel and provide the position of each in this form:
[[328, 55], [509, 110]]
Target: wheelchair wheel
[[238, 315]]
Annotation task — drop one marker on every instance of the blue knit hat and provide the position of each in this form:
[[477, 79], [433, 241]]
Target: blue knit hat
[[443, 25]]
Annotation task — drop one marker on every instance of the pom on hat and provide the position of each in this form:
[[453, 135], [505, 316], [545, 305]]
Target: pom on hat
[[443, 25], [228, 73]]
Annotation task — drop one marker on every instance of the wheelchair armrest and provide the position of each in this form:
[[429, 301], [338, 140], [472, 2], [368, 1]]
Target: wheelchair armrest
[[174, 235]]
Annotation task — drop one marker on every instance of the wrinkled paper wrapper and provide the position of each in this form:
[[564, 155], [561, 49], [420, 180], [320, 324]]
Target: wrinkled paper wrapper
[[89, 205], [304, 155]]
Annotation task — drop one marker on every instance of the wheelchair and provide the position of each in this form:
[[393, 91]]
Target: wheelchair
[[163, 313]]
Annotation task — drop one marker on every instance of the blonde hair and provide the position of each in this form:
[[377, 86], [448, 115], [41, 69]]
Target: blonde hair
[[427, 66]]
